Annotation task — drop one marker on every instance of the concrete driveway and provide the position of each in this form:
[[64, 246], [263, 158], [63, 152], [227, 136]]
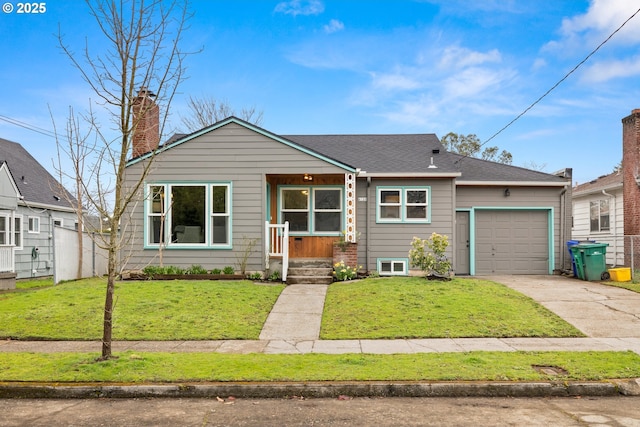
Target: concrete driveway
[[598, 310]]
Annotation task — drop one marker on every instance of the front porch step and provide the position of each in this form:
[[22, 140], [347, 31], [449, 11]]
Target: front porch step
[[312, 271]]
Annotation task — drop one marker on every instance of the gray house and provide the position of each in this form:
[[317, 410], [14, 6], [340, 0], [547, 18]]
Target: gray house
[[210, 192], [32, 202]]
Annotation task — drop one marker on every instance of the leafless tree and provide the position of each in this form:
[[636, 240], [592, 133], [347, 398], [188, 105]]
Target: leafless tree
[[77, 146], [143, 51], [207, 110]]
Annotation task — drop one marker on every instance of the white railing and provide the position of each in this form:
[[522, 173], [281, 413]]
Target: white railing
[[277, 245], [7, 259]]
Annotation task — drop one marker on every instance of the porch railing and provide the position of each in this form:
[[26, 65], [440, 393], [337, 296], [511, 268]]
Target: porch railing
[[277, 245], [7, 259]]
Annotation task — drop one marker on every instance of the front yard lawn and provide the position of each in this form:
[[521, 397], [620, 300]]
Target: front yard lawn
[[132, 367], [144, 310], [404, 307]]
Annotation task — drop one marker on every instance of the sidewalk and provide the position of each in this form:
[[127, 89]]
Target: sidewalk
[[609, 316]]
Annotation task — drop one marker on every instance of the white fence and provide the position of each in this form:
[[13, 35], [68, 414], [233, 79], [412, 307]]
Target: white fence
[[94, 259], [7, 259]]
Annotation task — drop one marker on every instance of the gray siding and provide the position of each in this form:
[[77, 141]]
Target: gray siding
[[520, 197], [42, 263], [231, 153], [384, 240]]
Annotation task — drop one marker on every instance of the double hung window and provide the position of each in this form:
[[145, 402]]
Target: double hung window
[[9, 228], [403, 204], [599, 215]]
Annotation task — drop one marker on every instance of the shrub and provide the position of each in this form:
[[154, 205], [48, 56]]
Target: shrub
[[196, 269], [228, 270], [255, 276], [431, 260], [341, 271], [172, 269], [216, 271], [274, 276]]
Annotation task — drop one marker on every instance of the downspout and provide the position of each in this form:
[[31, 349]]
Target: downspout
[[613, 227], [368, 245], [52, 239], [563, 220]]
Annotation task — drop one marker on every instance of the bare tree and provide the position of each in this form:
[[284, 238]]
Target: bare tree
[[470, 146], [143, 39], [206, 111], [77, 147]]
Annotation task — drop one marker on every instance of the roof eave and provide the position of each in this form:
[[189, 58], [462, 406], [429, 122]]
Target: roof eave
[[409, 174], [599, 190], [29, 204], [514, 183]]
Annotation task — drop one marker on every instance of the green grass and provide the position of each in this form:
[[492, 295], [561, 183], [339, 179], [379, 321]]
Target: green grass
[[389, 308], [34, 283], [144, 310], [176, 367], [632, 286]]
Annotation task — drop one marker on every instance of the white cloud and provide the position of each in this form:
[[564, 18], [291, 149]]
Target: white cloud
[[459, 57], [300, 7], [333, 26], [602, 18], [607, 70]]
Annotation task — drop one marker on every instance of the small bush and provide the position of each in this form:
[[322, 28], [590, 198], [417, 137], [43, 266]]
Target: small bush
[[255, 276], [196, 269], [228, 270], [341, 271], [172, 269], [274, 276], [429, 255], [216, 271], [152, 270]]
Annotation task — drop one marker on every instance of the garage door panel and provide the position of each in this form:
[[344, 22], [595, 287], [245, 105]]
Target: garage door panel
[[512, 242]]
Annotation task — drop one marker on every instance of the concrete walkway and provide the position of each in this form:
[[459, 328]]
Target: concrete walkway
[[609, 316]]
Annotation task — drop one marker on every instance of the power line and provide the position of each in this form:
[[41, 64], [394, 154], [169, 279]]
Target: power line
[[526, 110], [28, 126]]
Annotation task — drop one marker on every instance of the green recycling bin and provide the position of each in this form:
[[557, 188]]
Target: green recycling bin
[[578, 261], [590, 258]]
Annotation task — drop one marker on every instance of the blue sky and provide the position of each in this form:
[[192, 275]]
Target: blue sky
[[340, 66]]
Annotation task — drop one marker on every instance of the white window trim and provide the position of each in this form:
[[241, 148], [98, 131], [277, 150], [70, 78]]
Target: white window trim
[[208, 236], [11, 233], [33, 220], [600, 230], [393, 261], [403, 204]]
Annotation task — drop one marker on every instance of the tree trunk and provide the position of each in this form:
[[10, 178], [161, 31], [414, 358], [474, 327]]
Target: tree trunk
[[107, 327]]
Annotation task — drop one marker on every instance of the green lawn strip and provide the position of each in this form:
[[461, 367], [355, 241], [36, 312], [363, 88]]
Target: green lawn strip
[[34, 283], [132, 367], [417, 308], [631, 286], [144, 310]]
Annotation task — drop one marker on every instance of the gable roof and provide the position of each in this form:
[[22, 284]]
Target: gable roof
[[392, 155], [34, 183], [604, 182]]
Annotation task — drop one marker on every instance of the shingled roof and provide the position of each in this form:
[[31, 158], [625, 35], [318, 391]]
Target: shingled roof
[[35, 184], [403, 154], [604, 182]]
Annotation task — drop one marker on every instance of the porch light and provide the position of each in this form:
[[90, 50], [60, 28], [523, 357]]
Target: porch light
[[307, 177]]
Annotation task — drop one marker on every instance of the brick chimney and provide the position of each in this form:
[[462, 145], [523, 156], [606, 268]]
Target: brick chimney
[[631, 180], [146, 123]]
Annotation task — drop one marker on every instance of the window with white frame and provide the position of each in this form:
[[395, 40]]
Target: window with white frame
[[34, 224], [403, 204], [189, 215], [312, 210], [10, 228], [392, 267], [599, 215]]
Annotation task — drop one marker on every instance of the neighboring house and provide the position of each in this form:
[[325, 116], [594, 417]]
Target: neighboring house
[[598, 214], [210, 191], [32, 202]]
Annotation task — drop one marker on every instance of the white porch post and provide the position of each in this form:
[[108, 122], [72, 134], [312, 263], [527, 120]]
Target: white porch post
[[350, 192]]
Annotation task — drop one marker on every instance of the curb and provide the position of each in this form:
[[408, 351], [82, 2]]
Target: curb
[[628, 387]]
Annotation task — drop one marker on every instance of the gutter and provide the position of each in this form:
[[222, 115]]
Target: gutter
[[512, 183]]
